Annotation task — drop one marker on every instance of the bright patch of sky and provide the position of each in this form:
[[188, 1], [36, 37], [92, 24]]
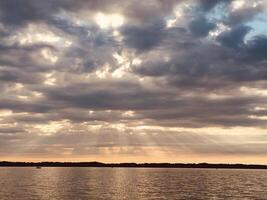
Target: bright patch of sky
[[258, 25], [217, 13]]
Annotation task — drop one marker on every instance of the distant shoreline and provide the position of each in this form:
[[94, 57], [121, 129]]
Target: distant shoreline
[[132, 165]]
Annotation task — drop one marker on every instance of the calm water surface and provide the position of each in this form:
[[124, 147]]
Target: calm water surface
[[131, 184]]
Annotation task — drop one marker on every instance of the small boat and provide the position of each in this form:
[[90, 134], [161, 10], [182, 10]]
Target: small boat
[[38, 167]]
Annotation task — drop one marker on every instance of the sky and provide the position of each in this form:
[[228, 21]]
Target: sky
[[133, 81]]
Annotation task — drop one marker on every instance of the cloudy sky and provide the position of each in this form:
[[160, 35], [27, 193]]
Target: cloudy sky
[[133, 81]]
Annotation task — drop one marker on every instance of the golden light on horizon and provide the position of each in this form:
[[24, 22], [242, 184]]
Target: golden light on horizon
[[5, 112]]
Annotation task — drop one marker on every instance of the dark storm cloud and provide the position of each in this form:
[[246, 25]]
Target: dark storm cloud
[[18, 13], [235, 37], [207, 5], [26, 57], [200, 27], [119, 95], [257, 49], [11, 130], [144, 37], [196, 61], [16, 76], [215, 112], [24, 106]]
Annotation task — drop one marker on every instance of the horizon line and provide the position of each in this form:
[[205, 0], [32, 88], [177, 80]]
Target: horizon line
[[132, 165]]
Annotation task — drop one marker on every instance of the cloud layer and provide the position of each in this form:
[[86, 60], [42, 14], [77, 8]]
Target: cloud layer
[[128, 78]]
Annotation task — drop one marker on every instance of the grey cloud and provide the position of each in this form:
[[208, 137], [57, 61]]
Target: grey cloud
[[144, 37], [200, 27], [18, 13], [256, 49], [11, 130], [244, 15], [110, 95], [16, 76], [167, 108], [235, 37], [24, 57], [24, 106], [193, 61], [199, 112], [207, 5]]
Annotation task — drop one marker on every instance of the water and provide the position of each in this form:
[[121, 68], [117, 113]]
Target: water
[[131, 184]]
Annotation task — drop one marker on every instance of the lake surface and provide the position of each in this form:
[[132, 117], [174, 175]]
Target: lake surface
[[131, 184]]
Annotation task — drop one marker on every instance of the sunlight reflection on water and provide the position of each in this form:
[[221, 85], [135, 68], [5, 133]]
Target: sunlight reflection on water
[[131, 184]]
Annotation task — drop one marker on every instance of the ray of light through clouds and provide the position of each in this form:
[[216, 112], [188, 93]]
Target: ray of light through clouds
[[141, 81]]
